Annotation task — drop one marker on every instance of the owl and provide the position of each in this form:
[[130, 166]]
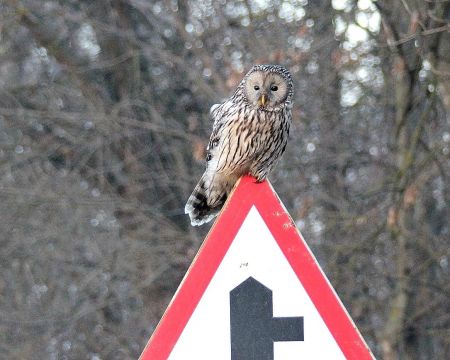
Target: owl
[[249, 135]]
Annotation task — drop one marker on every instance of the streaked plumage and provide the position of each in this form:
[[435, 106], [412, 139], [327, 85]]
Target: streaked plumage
[[249, 135]]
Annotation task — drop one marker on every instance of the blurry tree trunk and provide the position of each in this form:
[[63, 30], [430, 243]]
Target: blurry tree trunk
[[327, 83], [326, 119], [412, 104]]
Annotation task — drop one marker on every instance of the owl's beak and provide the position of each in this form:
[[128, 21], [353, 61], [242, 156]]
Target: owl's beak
[[262, 100]]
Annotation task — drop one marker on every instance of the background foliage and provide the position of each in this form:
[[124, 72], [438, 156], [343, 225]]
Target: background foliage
[[103, 124]]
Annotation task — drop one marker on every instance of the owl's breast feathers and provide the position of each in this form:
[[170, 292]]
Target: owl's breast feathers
[[243, 135]]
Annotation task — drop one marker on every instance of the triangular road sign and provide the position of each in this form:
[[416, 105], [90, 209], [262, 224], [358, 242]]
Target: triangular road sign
[[255, 292]]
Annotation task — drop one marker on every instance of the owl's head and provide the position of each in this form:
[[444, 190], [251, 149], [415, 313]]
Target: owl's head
[[267, 87]]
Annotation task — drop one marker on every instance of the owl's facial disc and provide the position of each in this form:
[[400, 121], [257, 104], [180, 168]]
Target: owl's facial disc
[[265, 90]]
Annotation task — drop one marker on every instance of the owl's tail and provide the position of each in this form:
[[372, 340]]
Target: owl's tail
[[205, 201]]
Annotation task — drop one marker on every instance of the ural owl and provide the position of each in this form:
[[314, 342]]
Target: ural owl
[[249, 135]]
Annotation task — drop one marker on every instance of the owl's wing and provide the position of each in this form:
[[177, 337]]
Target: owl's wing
[[225, 151], [213, 108], [217, 117]]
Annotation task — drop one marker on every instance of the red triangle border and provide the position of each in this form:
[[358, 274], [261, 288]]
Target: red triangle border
[[245, 195]]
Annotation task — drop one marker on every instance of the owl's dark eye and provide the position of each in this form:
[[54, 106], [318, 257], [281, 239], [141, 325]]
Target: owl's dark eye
[[274, 88], [256, 87]]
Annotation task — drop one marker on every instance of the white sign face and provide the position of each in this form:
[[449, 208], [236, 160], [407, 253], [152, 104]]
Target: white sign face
[[254, 253]]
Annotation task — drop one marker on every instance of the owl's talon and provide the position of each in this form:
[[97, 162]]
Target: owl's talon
[[259, 178]]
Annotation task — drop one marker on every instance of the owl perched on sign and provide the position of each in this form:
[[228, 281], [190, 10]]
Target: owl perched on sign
[[249, 135]]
